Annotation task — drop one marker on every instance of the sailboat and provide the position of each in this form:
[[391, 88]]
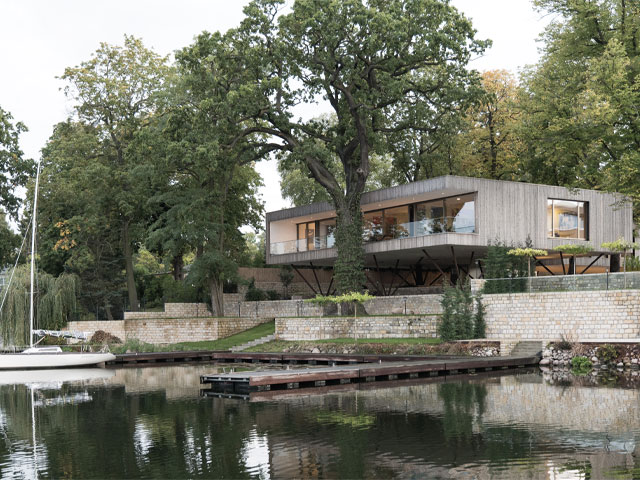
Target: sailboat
[[49, 356]]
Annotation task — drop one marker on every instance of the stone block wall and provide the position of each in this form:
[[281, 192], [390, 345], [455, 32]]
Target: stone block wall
[[396, 305], [323, 328], [170, 330], [114, 327], [172, 310], [580, 316]]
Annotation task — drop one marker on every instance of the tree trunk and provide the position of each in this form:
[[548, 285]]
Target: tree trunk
[[107, 309], [177, 267], [128, 260], [217, 297], [349, 266]]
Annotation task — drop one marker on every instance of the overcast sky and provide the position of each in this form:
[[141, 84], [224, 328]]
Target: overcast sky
[[39, 38]]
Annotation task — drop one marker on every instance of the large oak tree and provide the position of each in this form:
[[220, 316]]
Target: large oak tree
[[380, 66]]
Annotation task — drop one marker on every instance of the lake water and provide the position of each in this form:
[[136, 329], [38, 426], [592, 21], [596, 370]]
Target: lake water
[[154, 423]]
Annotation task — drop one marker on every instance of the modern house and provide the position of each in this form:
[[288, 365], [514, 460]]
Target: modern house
[[425, 231]]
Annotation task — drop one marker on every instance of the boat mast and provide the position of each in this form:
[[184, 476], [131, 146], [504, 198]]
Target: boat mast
[[33, 253]]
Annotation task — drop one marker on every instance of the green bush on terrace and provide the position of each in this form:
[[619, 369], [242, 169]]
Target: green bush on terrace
[[344, 298]]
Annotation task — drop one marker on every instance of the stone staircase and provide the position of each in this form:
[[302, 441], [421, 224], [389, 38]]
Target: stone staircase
[[253, 343], [529, 348]]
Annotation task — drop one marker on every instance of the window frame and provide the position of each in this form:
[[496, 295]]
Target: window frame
[[582, 205]]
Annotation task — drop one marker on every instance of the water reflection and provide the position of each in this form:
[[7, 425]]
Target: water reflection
[[152, 423]]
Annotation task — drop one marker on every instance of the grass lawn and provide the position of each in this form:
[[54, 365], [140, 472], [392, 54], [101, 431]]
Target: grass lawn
[[259, 331], [281, 345], [388, 341]]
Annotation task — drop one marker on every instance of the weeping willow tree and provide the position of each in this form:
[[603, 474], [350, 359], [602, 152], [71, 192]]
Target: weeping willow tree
[[55, 300]]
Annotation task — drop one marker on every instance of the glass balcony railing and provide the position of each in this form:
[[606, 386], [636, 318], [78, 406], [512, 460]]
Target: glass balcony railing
[[379, 233]]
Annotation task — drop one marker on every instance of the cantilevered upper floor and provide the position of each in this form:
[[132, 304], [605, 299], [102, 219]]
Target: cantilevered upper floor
[[403, 223]]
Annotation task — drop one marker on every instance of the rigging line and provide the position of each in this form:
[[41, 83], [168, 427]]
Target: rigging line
[[14, 266]]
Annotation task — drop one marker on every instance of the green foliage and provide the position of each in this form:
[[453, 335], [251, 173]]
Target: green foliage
[[499, 264], [16, 170], [54, 304], [344, 298], [459, 321], [286, 277], [581, 365], [607, 353], [580, 125], [574, 248], [117, 93], [9, 243], [527, 252], [632, 264], [479, 322], [255, 294], [620, 245]]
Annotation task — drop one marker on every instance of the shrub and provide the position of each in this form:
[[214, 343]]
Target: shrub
[[273, 295], [632, 264], [581, 365], [254, 294], [563, 344], [101, 337], [607, 353], [458, 320], [479, 324]]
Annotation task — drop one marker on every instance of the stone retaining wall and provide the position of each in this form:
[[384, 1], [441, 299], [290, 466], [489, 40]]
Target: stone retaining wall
[[170, 330], [114, 327], [324, 328], [580, 316], [396, 305], [173, 310]]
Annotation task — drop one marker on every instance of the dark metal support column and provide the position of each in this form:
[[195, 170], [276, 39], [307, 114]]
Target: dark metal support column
[[305, 280]]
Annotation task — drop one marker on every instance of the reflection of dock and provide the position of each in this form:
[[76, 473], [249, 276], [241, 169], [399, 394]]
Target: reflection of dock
[[243, 382]]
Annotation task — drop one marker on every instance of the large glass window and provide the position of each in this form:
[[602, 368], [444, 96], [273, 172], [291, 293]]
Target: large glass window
[[453, 214], [372, 223], [567, 219], [461, 213], [326, 233], [429, 218], [306, 236], [396, 222]]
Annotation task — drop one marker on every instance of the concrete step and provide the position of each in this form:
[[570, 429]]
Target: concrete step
[[528, 348], [253, 343]]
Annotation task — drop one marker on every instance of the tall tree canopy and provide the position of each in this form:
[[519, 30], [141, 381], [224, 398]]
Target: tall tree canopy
[[581, 125], [15, 170], [118, 92], [208, 166], [383, 67]]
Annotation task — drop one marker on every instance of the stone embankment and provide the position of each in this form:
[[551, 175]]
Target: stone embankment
[[602, 355], [477, 349]]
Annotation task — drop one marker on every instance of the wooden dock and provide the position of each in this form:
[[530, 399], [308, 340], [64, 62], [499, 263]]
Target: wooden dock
[[244, 382], [220, 356], [278, 395]]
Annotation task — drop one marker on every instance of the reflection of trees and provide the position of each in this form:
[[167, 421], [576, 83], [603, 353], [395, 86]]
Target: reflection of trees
[[97, 438], [463, 402]]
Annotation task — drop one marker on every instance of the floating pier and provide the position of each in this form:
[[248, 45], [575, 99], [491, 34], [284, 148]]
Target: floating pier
[[245, 382]]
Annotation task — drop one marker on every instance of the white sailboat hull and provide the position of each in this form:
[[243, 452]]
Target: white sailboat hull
[[24, 361]]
